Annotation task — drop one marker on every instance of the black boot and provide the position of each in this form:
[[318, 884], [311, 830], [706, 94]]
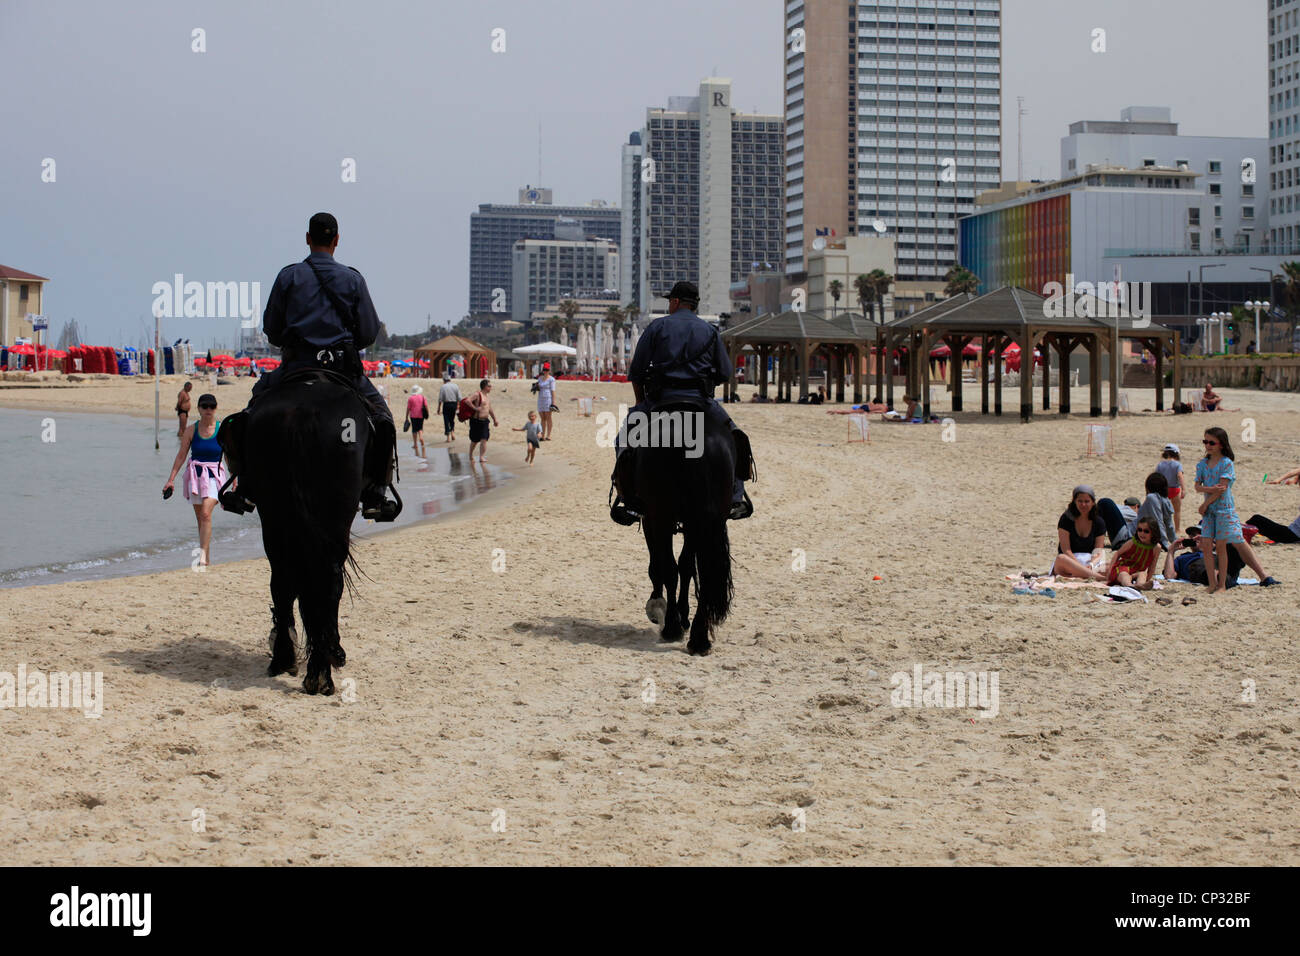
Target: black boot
[[230, 436], [375, 504], [625, 509]]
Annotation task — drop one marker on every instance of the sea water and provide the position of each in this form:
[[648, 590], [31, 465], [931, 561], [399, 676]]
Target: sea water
[[88, 503]]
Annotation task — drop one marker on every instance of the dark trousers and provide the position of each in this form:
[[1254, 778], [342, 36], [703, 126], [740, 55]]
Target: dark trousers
[[448, 417], [374, 401], [1113, 518], [1271, 529]]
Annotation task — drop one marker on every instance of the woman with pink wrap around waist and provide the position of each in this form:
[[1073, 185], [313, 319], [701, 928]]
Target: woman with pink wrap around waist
[[204, 472]]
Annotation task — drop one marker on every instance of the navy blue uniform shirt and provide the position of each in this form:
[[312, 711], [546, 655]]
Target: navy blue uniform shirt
[[683, 352], [298, 312]]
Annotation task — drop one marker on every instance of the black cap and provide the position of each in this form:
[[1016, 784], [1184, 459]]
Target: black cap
[[322, 228], [686, 291], [207, 398]]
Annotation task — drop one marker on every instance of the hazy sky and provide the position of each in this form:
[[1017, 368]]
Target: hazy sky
[[209, 164]]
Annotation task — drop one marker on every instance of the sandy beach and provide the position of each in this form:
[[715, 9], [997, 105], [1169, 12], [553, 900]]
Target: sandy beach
[[540, 698]]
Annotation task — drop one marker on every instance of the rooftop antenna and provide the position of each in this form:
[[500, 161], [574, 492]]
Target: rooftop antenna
[[539, 155], [1020, 149]]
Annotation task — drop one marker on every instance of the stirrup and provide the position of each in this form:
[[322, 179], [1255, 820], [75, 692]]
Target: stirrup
[[379, 507], [622, 514], [742, 508], [234, 501]]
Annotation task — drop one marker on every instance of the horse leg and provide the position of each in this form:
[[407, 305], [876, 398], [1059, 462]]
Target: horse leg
[[663, 572], [656, 609], [321, 626], [284, 656], [686, 572]]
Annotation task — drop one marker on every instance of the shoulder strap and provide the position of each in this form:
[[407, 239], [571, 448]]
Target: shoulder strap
[[344, 313]]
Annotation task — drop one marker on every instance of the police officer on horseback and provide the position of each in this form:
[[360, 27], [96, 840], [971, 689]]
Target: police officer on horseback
[[681, 358], [319, 313]]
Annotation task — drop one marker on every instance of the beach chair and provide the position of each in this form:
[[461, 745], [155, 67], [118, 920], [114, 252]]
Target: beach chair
[[859, 428], [1100, 442]]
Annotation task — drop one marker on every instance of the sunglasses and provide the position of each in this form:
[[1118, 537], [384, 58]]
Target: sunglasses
[[207, 406], [1206, 441], [1145, 531]]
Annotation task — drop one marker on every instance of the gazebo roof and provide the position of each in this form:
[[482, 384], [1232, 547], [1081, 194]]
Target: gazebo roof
[[856, 323], [906, 322], [791, 326], [453, 344]]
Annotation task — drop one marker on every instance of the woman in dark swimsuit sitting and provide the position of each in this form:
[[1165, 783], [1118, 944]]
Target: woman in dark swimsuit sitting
[[1081, 538]]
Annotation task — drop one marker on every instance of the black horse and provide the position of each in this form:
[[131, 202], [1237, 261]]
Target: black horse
[[302, 458], [693, 496]]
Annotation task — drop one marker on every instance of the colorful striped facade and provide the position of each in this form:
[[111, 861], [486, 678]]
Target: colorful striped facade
[[1026, 245]]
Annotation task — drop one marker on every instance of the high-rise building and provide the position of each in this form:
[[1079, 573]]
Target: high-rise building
[[893, 121], [545, 271], [709, 203], [1235, 212], [1284, 125], [635, 192], [496, 227]]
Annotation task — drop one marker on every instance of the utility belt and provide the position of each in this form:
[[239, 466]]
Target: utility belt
[[343, 359], [665, 388]]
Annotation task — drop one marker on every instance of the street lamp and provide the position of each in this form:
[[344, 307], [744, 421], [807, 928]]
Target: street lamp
[[1223, 318], [1208, 324], [1257, 305], [1200, 281]]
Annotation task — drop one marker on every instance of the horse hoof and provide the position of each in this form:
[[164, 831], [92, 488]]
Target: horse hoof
[[657, 610], [338, 656], [310, 684], [672, 638], [702, 649], [327, 688]]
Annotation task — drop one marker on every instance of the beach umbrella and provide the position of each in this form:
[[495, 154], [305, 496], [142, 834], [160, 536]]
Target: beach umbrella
[[607, 354], [631, 348], [941, 351], [581, 346], [620, 347]]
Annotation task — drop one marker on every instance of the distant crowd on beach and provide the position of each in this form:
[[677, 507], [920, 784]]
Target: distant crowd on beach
[[1142, 533]]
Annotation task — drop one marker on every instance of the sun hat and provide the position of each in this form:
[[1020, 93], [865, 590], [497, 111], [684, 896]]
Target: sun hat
[[1172, 447]]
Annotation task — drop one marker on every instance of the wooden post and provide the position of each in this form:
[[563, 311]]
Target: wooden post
[[1064, 346], [923, 356], [857, 376], [998, 345], [887, 355], [1094, 376], [984, 374], [1026, 374], [1047, 372], [805, 352], [1158, 349]]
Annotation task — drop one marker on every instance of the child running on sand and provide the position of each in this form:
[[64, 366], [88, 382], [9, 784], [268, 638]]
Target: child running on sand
[[1220, 526], [1133, 565], [533, 434], [1171, 466]]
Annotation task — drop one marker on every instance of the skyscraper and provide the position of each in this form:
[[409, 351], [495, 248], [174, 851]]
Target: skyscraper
[[496, 227], [893, 123], [709, 204], [1283, 124]]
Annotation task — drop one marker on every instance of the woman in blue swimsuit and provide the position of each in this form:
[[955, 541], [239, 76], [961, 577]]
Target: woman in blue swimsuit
[[204, 473]]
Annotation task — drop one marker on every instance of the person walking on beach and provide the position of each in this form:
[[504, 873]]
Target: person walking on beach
[[1220, 526], [1171, 466], [478, 424], [205, 474], [448, 401], [532, 434], [183, 408], [546, 399], [417, 410]]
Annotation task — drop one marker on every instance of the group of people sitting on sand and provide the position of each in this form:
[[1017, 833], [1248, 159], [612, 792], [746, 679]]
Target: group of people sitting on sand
[[1142, 531]]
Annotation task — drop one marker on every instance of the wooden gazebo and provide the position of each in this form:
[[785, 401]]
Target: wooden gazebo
[[794, 338], [480, 361], [1014, 315]]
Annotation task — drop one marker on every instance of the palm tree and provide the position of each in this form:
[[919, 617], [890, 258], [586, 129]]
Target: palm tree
[[553, 326], [836, 287], [881, 282], [615, 316], [633, 313], [960, 280], [866, 290], [568, 308]]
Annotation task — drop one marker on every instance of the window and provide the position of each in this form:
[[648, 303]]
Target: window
[[1194, 240], [1218, 212], [1248, 190], [1148, 162], [1216, 167], [1218, 234], [22, 292], [1216, 189], [1182, 162], [1247, 212], [1194, 216]]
